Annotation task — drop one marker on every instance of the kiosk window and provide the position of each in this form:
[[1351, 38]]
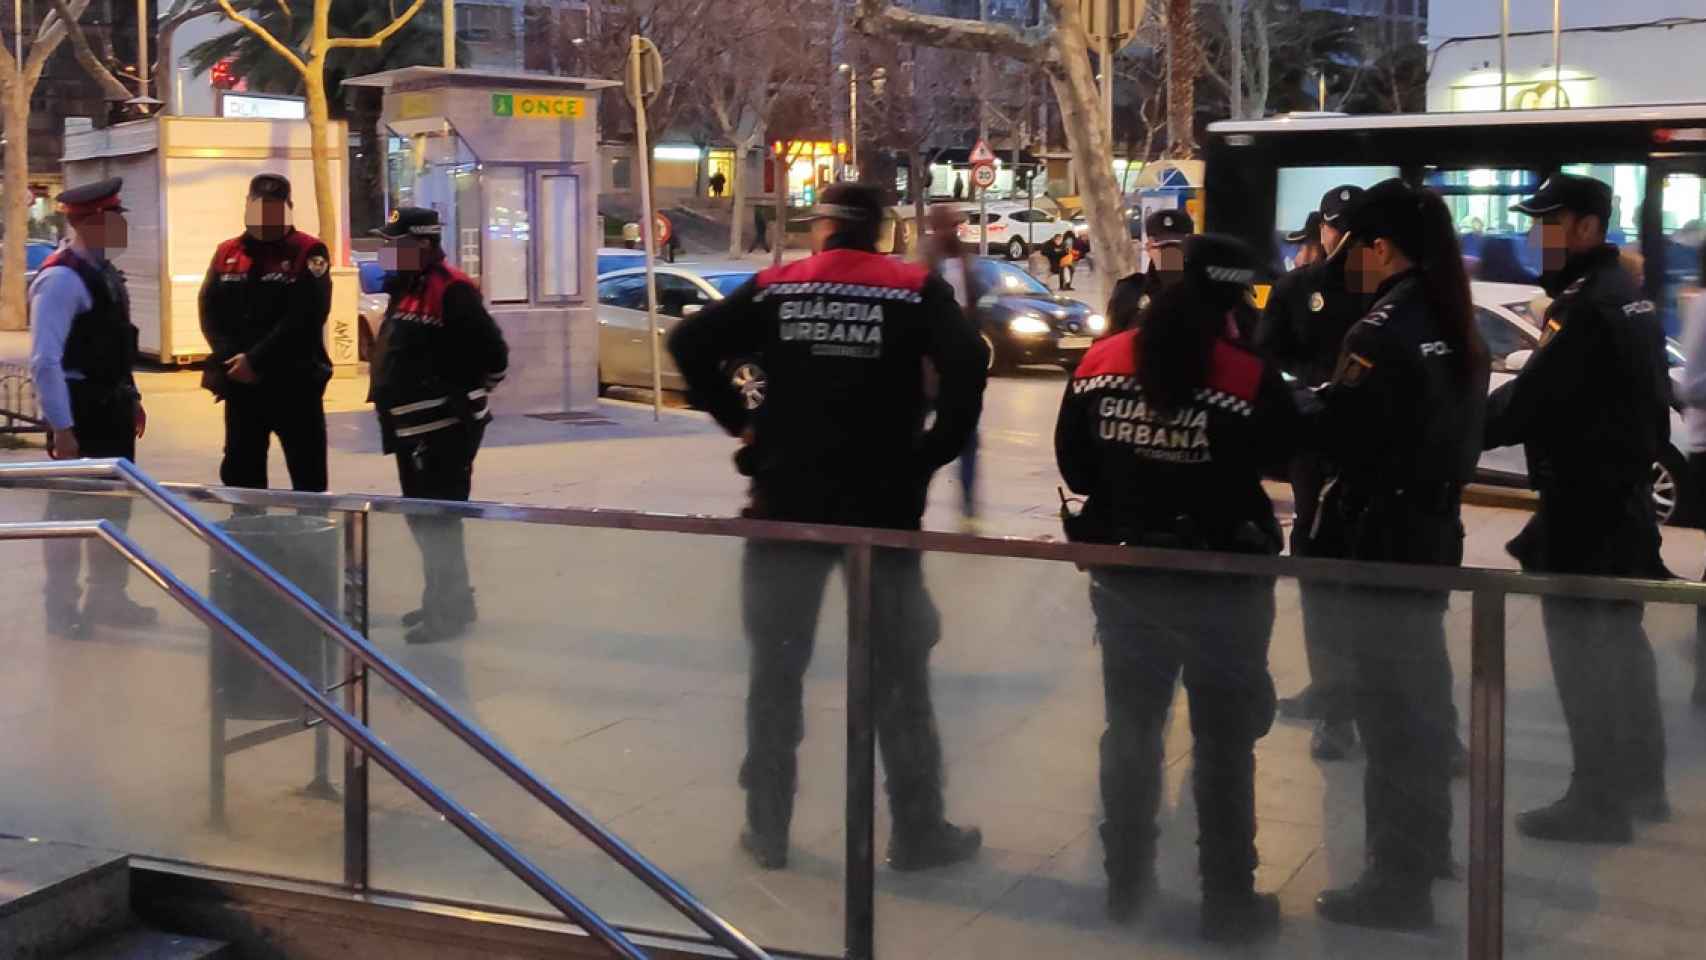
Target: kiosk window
[[508, 240], [559, 237]]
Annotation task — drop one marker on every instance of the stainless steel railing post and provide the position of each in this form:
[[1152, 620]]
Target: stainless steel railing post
[[861, 760], [1487, 776], [357, 848]]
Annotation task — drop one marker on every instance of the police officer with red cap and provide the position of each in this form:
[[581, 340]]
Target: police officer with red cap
[[263, 309], [82, 350], [437, 356], [1590, 456]]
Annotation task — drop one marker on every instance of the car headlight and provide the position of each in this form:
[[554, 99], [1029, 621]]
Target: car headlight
[[1029, 324], [1097, 323]]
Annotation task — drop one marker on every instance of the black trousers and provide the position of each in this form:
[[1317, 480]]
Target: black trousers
[[1215, 630], [782, 595], [1331, 671], [253, 415], [104, 421], [440, 466]]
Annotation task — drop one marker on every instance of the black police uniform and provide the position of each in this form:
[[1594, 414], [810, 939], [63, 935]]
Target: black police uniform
[[99, 356], [1399, 427], [438, 354], [268, 300], [1591, 408], [1189, 479], [1132, 295], [840, 439]]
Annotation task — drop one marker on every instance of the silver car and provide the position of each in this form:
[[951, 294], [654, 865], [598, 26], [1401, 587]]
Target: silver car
[[1508, 316], [624, 348]]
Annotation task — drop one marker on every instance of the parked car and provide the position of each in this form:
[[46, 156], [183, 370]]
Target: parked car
[[1024, 322], [1508, 317], [624, 348], [1014, 228], [611, 259]]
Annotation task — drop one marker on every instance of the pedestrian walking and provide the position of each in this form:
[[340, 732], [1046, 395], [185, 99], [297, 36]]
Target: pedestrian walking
[[1400, 426], [82, 351], [263, 306], [1591, 407], [717, 181], [1166, 431], [948, 257], [439, 354], [1163, 233], [840, 439], [959, 186], [760, 230]]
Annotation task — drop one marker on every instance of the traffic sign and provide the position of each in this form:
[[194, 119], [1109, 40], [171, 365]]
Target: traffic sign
[[644, 76], [983, 176], [981, 154], [662, 228], [1123, 15]]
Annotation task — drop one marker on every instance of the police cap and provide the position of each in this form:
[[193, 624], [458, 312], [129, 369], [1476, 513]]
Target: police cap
[[1168, 226], [1582, 196], [269, 186], [1388, 209], [92, 198], [1311, 232], [411, 222], [1334, 202], [1226, 267]]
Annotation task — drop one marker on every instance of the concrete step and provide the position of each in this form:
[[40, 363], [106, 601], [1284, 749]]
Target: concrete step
[[141, 944], [54, 897]]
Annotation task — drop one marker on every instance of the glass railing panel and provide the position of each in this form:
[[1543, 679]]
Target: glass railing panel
[[146, 733], [1606, 708], [616, 665], [1020, 682]]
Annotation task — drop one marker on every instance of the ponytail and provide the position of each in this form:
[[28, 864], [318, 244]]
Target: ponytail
[[1176, 344], [1427, 234]]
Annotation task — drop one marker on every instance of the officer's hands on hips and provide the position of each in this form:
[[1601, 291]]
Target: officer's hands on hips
[[63, 445], [238, 369], [141, 420]]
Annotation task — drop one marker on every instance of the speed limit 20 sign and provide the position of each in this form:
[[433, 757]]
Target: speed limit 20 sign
[[983, 176]]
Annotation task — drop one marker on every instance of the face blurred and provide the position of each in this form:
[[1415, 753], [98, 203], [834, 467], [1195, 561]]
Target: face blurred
[[267, 218], [403, 255], [1563, 233], [1167, 258], [1331, 237], [1307, 254], [108, 231], [1369, 264]]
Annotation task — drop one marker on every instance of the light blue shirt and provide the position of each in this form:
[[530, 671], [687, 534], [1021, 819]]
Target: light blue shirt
[[57, 296]]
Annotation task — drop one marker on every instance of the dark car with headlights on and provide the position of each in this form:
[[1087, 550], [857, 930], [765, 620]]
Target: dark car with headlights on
[[1024, 322]]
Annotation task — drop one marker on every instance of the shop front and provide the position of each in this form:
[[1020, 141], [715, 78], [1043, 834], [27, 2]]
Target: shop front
[[811, 166]]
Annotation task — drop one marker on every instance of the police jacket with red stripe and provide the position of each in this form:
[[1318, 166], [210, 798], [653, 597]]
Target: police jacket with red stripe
[[1187, 477], [269, 300], [842, 337], [437, 354]]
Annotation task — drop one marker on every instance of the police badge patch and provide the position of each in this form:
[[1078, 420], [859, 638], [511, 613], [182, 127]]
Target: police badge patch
[[1143, 302], [318, 265], [1317, 303]]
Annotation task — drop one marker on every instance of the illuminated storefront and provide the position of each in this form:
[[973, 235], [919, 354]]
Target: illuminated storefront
[[811, 166]]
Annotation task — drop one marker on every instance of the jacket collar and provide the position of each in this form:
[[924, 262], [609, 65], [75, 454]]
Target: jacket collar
[[1579, 266]]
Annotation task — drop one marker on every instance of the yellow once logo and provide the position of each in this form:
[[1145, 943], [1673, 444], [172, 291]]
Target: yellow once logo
[[529, 106]]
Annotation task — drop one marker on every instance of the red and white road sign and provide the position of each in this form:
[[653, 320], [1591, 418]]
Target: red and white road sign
[[662, 229], [983, 176], [981, 154]]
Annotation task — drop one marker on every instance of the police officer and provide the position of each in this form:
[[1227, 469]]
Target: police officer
[[1591, 407], [1400, 426], [1307, 239], [1309, 312], [438, 354], [1167, 433], [1163, 232], [82, 350], [841, 439], [263, 309]]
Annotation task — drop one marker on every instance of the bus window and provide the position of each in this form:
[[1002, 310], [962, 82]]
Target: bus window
[[1684, 235], [1628, 191], [1497, 243], [1300, 190]]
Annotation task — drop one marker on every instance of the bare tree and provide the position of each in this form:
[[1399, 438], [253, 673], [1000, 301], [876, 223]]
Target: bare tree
[[312, 67], [1184, 65], [1061, 49], [1237, 55], [18, 80]]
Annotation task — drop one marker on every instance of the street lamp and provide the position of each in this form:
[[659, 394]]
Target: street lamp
[[853, 109]]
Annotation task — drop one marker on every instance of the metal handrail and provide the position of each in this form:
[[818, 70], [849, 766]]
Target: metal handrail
[[416, 692], [311, 696]]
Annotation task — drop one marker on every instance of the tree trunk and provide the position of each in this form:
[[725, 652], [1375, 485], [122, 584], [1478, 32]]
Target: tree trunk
[[1235, 44], [915, 174], [1182, 70], [319, 138], [1079, 97], [15, 106], [779, 223], [737, 202]]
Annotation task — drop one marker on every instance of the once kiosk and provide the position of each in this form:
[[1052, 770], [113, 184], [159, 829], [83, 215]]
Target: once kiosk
[[509, 161]]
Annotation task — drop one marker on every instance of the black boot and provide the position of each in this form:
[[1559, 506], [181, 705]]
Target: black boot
[[1382, 900], [118, 610], [67, 623], [1238, 918], [939, 845], [1576, 819], [1128, 857], [769, 813], [1650, 806], [1305, 706], [442, 620], [1333, 740]]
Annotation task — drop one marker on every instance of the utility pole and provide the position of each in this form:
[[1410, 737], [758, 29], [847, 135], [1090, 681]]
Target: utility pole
[[449, 34], [141, 48], [982, 134], [1504, 54]]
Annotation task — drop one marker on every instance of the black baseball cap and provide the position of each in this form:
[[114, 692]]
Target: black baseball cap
[[1566, 191], [269, 186], [1227, 266], [411, 222], [1311, 231], [1168, 226], [98, 197], [1334, 202], [848, 202]]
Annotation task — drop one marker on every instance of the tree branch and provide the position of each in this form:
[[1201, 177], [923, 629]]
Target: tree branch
[[266, 36], [378, 39], [109, 84], [880, 17]]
